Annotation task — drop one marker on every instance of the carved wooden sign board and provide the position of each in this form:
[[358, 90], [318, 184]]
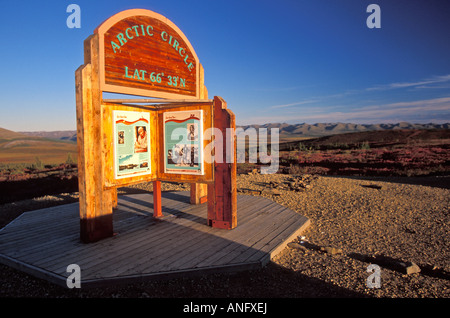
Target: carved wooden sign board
[[121, 142], [143, 53]]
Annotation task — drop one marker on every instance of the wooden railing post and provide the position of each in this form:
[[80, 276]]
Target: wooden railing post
[[222, 194], [96, 203], [199, 191], [157, 207]]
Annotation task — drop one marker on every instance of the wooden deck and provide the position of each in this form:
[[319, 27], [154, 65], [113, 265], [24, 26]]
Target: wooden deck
[[44, 242]]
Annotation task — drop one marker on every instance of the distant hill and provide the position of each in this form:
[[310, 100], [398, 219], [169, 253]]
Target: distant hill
[[6, 134], [69, 135], [287, 131], [18, 147], [376, 138], [26, 146], [296, 131]]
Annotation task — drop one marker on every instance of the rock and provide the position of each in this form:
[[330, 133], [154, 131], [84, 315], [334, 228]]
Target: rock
[[397, 265], [296, 246], [331, 250], [373, 186], [411, 268], [271, 192], [250, 191], [273, 184]]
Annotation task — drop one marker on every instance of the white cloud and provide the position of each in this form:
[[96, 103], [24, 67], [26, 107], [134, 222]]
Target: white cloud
[[294, 104], [432, 80], [321, 109], [399, 111]]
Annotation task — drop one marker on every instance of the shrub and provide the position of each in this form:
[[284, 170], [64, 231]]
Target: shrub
[[69, 159], [37, 165]]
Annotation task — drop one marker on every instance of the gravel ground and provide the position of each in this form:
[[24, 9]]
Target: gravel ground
[[354, 223]]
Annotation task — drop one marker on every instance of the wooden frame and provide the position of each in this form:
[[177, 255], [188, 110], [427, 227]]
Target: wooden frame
[[97, 183]]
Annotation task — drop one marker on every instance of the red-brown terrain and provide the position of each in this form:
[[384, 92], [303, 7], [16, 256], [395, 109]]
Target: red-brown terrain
[[400, 153], [375, 153]]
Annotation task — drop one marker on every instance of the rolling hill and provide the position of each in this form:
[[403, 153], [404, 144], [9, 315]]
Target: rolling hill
[[376, 139], [69, 135], [54, 146], [287, 131], [22, 148], [301, 131]]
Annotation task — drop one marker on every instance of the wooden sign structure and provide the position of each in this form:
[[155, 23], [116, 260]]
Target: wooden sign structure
[[127, 141]]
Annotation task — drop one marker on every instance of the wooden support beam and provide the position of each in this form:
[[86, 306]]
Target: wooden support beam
[[157, 207], [222, 194], [96, 203], [199, 191], [158, 101]]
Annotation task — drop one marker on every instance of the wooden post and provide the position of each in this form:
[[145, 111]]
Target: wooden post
[[114, 197], [157, 207], [199, 191], [95, 203], [222, 195]]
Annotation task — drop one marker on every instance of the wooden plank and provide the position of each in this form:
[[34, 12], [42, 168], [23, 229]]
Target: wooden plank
[[95, 202], [150, 253], [199, 191], [128, 242], [272, 232], [42, 238], [35, 232], [224, 242], [159, 101], [131, 242], [192, 272], [194, 249], [33, 270], [275, 246], [222, 210], [157, 207], [247, 234], [80, 247], [174, 245], [166, 249], [37, 250], [39, 231], [154, 244]]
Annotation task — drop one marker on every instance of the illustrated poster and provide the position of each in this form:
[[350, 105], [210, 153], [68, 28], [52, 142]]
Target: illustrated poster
[[183, 140], [131, 143]]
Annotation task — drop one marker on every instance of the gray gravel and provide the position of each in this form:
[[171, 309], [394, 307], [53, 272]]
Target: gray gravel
[[354, 222]]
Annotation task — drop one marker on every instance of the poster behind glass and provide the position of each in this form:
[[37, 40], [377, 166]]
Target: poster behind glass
[[183, 139], [131, 143]]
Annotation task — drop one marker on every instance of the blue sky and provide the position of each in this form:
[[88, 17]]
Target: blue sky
[[272, 61]]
